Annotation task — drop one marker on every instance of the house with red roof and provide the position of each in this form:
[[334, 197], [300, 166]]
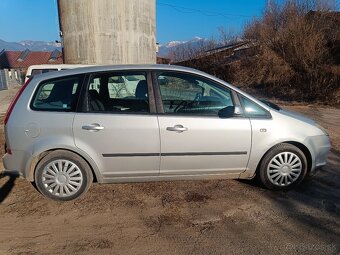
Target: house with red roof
[[14, 64]]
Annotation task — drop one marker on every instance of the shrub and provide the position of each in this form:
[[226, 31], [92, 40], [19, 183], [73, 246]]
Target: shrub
[[295, 52]]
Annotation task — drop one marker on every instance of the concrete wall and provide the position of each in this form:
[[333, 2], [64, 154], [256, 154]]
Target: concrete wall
[[108, 31]]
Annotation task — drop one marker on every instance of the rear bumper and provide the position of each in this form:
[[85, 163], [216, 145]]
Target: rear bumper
[[11, 173], [15, 163]]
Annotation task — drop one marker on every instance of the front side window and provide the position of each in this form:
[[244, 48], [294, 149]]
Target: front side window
[[118, 93], [59, 94], [188, 94]]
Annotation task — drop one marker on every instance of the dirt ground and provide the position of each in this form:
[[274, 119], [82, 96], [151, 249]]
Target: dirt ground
[[188, 217]]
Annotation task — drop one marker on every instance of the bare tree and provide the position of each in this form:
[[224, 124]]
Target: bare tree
[[191, 50], [227, 35]]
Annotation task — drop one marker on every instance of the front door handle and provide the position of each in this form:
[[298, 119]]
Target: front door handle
[[93, 127], [177, 128]]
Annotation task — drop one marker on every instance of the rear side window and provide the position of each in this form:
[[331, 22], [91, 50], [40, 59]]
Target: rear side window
[[118, 93], [59, 94]]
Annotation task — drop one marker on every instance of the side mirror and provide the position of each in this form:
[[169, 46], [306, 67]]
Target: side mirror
[[229, 112], [226, 112]]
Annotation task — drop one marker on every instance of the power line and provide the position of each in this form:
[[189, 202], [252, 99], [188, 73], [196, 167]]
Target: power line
[[203, 12]]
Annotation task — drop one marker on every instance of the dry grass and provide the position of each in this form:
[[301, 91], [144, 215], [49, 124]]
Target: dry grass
[[296, 54], [294, 57]]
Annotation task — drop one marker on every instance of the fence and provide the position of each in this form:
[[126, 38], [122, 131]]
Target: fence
[[3, 81]]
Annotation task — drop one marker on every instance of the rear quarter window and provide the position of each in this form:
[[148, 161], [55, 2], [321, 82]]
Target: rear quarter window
[[59, 94]]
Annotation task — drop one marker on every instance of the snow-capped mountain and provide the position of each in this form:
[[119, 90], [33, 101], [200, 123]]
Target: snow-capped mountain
[[40, 45], [164, 49], [31, 45]]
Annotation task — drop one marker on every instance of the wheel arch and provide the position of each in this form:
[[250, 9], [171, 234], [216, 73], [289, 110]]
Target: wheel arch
[[299, 145], [39, 156]]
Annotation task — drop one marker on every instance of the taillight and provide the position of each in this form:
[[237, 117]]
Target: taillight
[[15, 100]]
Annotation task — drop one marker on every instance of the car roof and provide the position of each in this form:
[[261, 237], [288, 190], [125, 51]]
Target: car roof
[[106, 68], [58, 65]]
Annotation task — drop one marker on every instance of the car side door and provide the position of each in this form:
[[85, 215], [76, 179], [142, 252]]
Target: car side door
[[202, 129], [116, 124]]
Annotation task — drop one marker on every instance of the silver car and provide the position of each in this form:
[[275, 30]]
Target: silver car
[[152, 123]]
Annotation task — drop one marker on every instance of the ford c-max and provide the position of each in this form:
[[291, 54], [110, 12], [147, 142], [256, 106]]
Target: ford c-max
[[150, 123]]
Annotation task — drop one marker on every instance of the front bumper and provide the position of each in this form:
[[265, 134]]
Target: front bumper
[[320, 146]]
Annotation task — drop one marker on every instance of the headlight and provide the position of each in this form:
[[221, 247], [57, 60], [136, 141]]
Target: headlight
[[322, 129]]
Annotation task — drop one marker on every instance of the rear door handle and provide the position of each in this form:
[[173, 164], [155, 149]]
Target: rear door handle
[[177, 128], [93, 127]]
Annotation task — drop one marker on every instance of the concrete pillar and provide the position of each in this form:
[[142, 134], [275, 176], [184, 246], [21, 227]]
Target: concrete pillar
[[108, 31]]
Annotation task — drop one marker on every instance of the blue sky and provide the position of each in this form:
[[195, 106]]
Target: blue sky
[[176, 19], [177, 23]]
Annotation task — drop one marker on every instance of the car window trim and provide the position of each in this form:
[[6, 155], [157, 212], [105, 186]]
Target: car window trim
[[158, 96], [82, 103], [151, 93], [82, 107]]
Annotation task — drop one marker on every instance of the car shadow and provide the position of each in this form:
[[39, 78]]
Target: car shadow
[[315, 203], [7, 187]]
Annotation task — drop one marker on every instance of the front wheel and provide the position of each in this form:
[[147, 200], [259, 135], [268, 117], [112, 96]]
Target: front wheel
[[63, 176], [283, 167]]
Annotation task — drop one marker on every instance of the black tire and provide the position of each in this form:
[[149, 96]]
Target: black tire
[[81, 171], [267, 175]]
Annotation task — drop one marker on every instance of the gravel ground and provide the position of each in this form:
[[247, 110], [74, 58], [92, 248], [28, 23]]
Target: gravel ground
[[188, 217]]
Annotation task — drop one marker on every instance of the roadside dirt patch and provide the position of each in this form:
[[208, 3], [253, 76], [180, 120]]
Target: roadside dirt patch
[[195, 197], [88, 244]]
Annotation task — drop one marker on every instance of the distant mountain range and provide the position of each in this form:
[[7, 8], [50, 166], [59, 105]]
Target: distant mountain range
[[164, 49], [31, 45]]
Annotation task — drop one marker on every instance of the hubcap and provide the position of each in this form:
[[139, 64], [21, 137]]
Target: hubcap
[[284, 169], [62, 178]]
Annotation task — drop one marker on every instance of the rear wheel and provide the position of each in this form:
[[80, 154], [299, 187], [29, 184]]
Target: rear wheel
[[63, 175], [283, 167]]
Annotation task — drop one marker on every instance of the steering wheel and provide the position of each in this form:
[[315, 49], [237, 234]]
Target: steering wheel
[[181, 105], [196, 100]]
